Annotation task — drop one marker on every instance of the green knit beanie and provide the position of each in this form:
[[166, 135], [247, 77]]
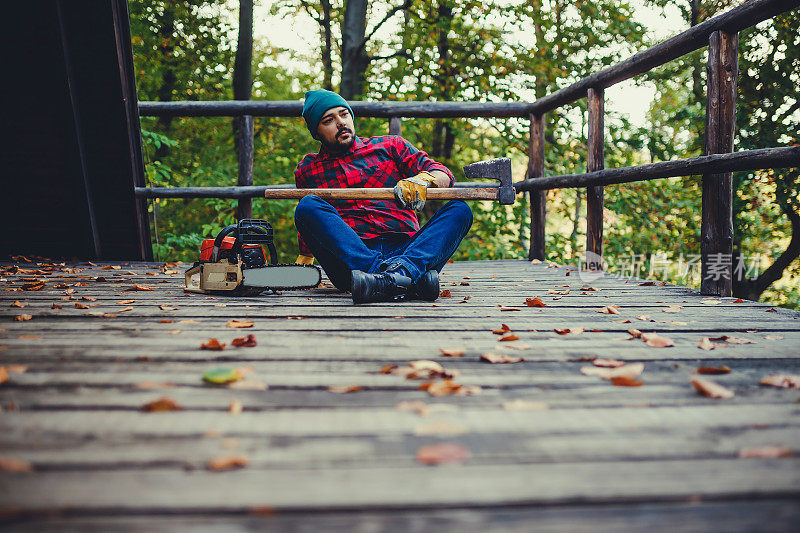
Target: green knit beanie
[[317, 103]]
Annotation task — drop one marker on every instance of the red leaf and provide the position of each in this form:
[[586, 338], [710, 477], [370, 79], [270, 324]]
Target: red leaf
[[713, 370], [161, 405], [443, 453], [445, 294], [534, 302], [227, 462], [622, 381], [244, 342], [212, 344]]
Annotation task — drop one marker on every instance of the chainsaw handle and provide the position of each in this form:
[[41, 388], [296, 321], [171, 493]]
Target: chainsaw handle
[[189, 273], [218, 241]]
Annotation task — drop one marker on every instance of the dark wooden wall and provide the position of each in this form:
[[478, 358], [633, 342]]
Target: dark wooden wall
[[72, 153]]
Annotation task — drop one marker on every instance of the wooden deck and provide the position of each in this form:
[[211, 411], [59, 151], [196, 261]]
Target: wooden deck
[[576, 454]]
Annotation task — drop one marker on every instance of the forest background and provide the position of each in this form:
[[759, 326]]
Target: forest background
[[469, 50]]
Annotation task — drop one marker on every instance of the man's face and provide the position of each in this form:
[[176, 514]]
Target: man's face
[[336, 130]]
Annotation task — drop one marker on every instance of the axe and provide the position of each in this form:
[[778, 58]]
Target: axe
[[495, 169]]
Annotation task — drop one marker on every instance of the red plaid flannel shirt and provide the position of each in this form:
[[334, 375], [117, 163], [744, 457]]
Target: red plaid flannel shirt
[[373, 162]]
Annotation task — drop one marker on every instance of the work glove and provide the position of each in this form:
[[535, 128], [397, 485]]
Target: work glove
[[304, 260], [411, 193]]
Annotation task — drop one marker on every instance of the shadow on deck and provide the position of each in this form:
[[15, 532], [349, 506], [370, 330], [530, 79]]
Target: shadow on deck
[[546, 444]]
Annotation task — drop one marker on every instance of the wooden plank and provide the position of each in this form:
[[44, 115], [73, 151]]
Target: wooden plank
[[730, 516], [395, 126], [364, 420], [296, 489]]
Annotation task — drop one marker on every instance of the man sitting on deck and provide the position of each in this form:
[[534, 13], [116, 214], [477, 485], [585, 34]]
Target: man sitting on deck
[[375, 249]]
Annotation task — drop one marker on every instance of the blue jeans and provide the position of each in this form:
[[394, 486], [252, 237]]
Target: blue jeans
[[340, 250]]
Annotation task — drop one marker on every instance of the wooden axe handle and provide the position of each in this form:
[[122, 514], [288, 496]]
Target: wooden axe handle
[[377, 193]]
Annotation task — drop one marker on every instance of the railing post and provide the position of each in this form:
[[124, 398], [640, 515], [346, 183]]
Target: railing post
[[395, 125], [594, 195], [716, 229], [538, 207], [245, 207]]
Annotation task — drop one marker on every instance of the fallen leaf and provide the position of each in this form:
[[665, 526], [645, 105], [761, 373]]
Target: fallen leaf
[[608, 363], [153, 385], [125, 302], [495, 358], [523, 405], [16, 369], [9, 464], [220, 305], [503, 308], [161, 405], [447, 387], [440, 429], [782, 381], [515, 346], [738, 301], [630, 371], [35, 286], [139, 288], [212, 344], [248, 384], [388, 369], [23, 317], [167, 308], [221, 375], [55, 306], [647, 283], [765, 452], [714, 370], [657, 341], [445, 294], [508, 337], [706, 344], [234, 323], [732, 340], [244, 342], [125, 309], [464, 284], [609, 310], [623, 381], [416, 406], [3, 375], [81, 306], [503, 330], [442, 453], [635, 334], [643, 317], [710, 389], [24, 336], [710, 302], [672, 309], [19, 304], [569, 331], [425, 364], [344, 389], [189, 321], [452, 352], [773, 337], [88, 299], [235, 407], [534, 302], [227, 462]]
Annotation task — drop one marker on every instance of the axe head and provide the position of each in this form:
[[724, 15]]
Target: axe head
[[495, 169]]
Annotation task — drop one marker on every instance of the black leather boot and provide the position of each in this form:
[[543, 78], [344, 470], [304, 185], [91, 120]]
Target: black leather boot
[[426, 287], [382, 287]]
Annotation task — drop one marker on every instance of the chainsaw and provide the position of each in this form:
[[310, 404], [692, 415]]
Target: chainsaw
[[234, 263]]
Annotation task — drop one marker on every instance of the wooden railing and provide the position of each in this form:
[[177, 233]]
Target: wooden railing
[[720, 34]]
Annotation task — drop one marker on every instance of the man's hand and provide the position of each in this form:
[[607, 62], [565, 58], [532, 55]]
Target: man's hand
[[411, 193], [304, 260]]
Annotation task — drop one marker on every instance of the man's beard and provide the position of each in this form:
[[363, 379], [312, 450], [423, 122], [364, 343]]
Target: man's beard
[[338, 146]]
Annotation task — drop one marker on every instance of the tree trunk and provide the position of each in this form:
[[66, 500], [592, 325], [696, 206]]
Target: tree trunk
[[243, 90], [166, 31], [327, 61], [354, 57], [751, 289]]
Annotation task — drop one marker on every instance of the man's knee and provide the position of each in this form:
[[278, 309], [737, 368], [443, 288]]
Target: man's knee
[[462, 212], [306, 207]]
